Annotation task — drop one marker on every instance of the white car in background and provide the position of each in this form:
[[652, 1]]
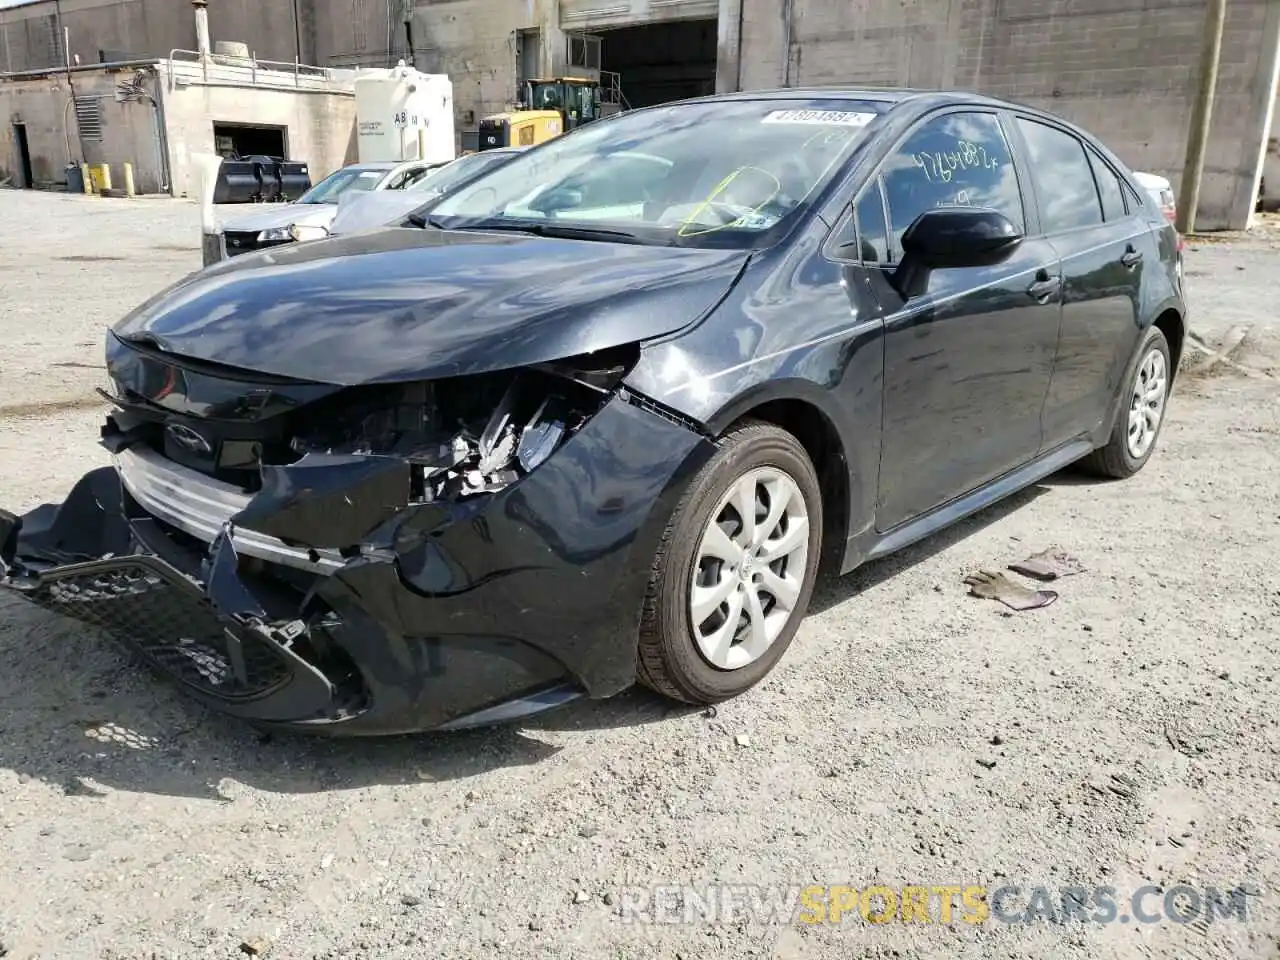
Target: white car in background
[[1161, 191], [273, 224]]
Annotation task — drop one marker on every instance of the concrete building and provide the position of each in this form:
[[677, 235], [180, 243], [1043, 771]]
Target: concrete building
[[157, 114], [155, 110], [1125, 69]]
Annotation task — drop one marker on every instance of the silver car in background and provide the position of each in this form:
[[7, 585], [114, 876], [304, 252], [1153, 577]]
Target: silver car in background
[[367, 210]]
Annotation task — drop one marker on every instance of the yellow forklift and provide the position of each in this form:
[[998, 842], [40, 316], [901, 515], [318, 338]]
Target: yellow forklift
[[548, 109]]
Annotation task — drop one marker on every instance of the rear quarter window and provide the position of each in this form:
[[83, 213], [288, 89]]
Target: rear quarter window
[[1110, 189]]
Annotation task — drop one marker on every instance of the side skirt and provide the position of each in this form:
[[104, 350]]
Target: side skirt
[[870, 545]]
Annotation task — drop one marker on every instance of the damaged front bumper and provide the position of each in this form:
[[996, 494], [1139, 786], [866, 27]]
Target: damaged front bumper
[[389, 614]]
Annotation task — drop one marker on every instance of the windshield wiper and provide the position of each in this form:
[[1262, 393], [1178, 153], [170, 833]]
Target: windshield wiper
[[425, 220], [560, 231]]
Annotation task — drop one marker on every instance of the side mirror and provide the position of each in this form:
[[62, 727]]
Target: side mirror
[[951, 237]]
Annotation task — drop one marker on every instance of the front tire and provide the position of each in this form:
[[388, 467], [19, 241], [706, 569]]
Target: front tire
[[735, 570], [1141, 415]]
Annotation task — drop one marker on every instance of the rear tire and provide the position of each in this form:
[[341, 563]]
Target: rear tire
[[747, 584], [1144, 402]]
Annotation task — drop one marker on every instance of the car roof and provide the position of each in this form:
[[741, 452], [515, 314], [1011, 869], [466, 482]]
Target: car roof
[[841, 92], [887, 95], [890, 96], [918, 100]]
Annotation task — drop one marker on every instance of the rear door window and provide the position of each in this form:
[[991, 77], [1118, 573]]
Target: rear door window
[[953, 160], [1063, 177]]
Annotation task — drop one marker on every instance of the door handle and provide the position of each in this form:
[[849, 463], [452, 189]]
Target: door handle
[[1131, 257], [1044, 288]]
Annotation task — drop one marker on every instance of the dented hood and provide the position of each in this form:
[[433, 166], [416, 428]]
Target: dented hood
[[410, 303]]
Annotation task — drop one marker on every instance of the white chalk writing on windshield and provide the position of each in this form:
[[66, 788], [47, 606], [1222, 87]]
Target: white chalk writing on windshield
[[961, 199], [941, 165]]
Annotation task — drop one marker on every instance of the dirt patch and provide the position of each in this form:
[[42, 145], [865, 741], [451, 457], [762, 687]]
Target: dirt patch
[[39, 408]]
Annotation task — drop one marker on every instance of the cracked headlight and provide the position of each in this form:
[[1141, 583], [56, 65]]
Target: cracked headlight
[[473, 434]]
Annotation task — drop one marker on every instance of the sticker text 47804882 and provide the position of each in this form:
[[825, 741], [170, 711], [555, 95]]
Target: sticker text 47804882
[[840, 118]]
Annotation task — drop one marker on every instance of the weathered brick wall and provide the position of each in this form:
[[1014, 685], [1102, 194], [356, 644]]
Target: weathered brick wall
[[1124, 69]]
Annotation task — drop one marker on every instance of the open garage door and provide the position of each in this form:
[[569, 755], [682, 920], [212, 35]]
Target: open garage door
[[660, 62]]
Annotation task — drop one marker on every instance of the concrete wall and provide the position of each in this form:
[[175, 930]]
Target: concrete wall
[[593, 15], [30, 38], [128, 129], [474, 42], [1124, 69], [367, 33], [320, 123], [325, 33]]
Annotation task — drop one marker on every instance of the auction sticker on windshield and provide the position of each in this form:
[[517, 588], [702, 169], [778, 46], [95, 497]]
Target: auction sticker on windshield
[[842, 118]]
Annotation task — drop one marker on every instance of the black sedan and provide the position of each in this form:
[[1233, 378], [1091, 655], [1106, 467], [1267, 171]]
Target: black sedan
[[603, 414]]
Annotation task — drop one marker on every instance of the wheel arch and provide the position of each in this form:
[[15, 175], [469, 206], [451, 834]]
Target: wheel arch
[[1173, 325], [1169, 321], [804, 410]]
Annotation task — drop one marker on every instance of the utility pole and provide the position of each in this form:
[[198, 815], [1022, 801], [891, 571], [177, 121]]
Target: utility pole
[[65, 33], [1201, 117]]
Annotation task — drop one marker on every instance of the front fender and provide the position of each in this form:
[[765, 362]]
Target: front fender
[[835, 384]]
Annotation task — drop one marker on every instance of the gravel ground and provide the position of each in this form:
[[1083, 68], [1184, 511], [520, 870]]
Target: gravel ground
[[1125, 735]]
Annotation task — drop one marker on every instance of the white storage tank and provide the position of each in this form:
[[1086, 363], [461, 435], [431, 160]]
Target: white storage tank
[[402, 114]]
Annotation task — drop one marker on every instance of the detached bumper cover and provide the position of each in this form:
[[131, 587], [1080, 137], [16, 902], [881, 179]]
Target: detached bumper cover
[[435, 615]]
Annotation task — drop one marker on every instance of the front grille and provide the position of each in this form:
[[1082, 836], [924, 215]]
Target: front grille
[[167, 620], [246, 241]]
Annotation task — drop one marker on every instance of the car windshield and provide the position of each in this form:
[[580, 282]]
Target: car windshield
[[333, 186], [718, 173], [458, 172]]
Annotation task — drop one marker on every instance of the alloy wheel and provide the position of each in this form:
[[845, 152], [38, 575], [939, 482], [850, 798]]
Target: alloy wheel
[[749, 568], [1146, 406]]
